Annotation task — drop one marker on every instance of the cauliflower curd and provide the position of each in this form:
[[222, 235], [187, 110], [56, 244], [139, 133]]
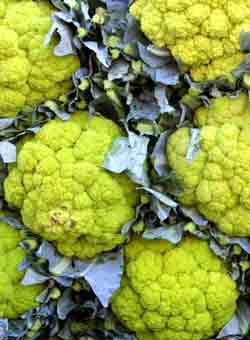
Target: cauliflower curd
[[174, 292], [217, 180], [15, 299], [29, 72], [203, 34], [64, 193]]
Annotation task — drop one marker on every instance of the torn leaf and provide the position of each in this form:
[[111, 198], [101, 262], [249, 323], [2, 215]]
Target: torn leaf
[[104, 275]]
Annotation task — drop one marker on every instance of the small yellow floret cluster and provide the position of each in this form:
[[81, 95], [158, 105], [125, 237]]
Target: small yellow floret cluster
[[29, 71], [174, 293], [203, 34]]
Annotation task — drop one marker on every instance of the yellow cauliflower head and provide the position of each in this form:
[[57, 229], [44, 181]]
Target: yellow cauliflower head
[[64, 193], [217, 180], [203, 34], [15, 299], [29, 72], [174, 292]]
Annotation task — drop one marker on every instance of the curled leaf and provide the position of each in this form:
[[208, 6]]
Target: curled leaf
[[65, 46]]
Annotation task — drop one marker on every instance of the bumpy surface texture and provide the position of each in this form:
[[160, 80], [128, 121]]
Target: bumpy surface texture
[[174, 293], [203, 34], [15, 299], [217, 180], [29, 72], [64, 193]]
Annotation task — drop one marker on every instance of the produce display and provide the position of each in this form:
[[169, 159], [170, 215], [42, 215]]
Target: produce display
[[124, 170]]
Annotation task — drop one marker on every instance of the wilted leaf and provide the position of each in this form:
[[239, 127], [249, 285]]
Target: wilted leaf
[[167, 75], [162, 100], [58, 264], [8, 152], [6, 122], [117, 159], [239, 324], [151, 59], [100, 51], [165, 199], [32, 277], [104, 275], [3, 329], [52, 106], [172, 234], [118, 70], [244, 243], [194, 145], [143, 109], [161, 210], [194, 215], [65, 304], [245, 42], [129, 154], [65, 46], [159, 154]]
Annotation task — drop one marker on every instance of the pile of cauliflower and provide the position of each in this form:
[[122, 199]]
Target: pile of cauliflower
[[66, 196]]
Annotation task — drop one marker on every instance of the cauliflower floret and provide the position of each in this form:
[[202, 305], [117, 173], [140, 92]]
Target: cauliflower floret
[[204, 35], [216, 181], [29, 71], [15, 299], [174, 292], [64, 193]]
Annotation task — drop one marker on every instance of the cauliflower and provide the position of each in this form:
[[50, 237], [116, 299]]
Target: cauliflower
[[29, 72], [174, 292], [64, 193], [15, 299], [217, 180], [203, 34], [224, 110]]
